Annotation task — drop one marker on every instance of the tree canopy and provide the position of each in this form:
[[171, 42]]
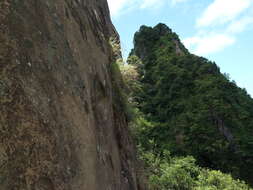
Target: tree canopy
[[189, 107]]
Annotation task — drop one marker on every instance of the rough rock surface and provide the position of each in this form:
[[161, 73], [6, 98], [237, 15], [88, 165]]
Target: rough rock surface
[[59, 129]]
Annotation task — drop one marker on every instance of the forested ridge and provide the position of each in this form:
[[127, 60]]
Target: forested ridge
[[188, 117]]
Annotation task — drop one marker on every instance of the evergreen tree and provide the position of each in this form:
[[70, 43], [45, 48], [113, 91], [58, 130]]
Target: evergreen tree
[[193, 108]]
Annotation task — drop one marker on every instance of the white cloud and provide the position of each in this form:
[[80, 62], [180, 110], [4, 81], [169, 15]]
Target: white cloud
[[240, 25], [219, 25], [119, 6], [150, 3], [222, 11], [207, 44], [116, 6], [178, 1]]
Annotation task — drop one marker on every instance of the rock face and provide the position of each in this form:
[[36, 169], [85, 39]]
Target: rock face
[[59, 129]]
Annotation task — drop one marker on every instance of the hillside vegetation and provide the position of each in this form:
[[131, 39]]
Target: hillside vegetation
[[191, 121]]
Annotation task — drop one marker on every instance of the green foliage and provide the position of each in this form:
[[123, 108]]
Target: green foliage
[[177, 174], [182, 173], [120, 91], [181, 103], [115, 45], [188, 107], [125, 82], [215, 180]]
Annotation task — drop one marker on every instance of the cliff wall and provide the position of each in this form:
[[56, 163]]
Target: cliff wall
[[59, 129]]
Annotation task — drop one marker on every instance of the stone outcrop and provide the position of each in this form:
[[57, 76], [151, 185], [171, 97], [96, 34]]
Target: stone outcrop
[[59, 129]]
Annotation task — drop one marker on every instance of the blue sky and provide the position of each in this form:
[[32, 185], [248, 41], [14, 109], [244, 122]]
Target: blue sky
[[220, 30]]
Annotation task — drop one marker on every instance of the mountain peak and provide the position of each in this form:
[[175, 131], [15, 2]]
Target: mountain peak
[[162, 29], [147, 39]]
